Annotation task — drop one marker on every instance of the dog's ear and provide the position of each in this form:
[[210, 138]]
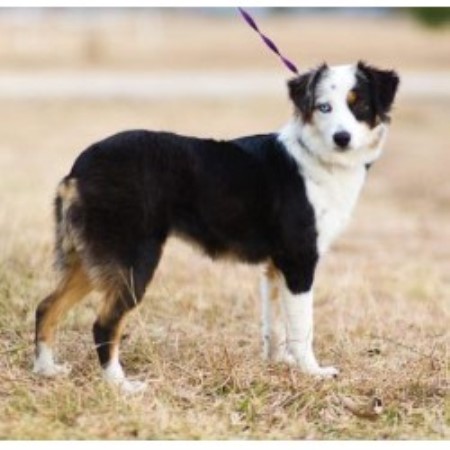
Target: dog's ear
[[302, 91], [383, 85]]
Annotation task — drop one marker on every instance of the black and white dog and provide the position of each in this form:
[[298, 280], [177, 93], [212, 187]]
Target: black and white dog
[[279, 199]]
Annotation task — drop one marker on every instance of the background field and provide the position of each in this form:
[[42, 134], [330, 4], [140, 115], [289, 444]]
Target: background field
[[382, 297]]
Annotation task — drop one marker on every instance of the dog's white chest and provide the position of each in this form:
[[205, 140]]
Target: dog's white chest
[[333, 198]]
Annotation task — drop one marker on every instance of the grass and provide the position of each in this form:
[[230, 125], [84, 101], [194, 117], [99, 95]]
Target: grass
[[382, 294], [382, 301]]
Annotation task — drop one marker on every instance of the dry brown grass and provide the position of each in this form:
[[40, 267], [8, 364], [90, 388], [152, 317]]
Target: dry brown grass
[[382, 294], [382, 298]]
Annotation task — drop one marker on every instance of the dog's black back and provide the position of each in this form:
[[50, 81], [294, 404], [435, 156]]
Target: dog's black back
[[244, 197]]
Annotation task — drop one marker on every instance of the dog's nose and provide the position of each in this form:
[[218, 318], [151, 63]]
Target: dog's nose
[[342, 139]]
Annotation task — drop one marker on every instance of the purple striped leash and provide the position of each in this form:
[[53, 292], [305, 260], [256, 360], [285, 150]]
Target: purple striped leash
[[250, 21]]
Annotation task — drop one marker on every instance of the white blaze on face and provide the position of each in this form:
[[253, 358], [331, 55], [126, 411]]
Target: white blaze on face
[[317, 135], [333, 89]]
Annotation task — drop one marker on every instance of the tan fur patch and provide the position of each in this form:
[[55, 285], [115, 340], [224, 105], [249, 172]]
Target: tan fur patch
[[112, 314], [73, 287], [107, 278], [276, 338], [68, 191], [272, 272], [352, 97], [68, 239]]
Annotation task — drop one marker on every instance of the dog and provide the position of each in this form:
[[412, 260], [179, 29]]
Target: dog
[[279, 199]]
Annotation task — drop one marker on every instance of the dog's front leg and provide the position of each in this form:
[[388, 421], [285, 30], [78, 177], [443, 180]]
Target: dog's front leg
[[273, 328], [299, 323]]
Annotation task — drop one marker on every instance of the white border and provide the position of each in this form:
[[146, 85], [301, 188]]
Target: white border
[[219, 3]]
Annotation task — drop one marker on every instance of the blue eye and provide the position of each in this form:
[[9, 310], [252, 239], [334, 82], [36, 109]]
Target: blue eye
[[324, 107]]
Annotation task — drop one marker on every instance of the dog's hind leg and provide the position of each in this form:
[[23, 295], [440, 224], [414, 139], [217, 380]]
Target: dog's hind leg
[[123, 290], [72, 288], [73, 284]]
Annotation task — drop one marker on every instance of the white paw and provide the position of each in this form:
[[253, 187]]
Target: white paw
[[115, 376], [322, 372], [285, 356], [132, 387], [50, 369]]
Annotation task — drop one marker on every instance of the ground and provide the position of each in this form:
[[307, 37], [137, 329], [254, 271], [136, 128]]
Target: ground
[[382, 295]]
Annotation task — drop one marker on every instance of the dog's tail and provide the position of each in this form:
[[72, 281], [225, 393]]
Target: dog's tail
[[68, 220]]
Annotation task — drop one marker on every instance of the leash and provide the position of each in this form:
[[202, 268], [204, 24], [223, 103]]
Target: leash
[[251, 22]]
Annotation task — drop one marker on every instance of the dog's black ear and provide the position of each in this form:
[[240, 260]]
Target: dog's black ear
[[383, 84], [302, 91]]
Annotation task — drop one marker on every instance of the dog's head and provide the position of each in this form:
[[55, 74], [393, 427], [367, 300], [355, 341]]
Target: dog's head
[[343, 111]]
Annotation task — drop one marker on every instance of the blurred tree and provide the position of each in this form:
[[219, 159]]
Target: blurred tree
[[432, 17]]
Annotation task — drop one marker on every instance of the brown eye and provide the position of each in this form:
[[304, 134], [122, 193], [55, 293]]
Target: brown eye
[[352, 97]]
